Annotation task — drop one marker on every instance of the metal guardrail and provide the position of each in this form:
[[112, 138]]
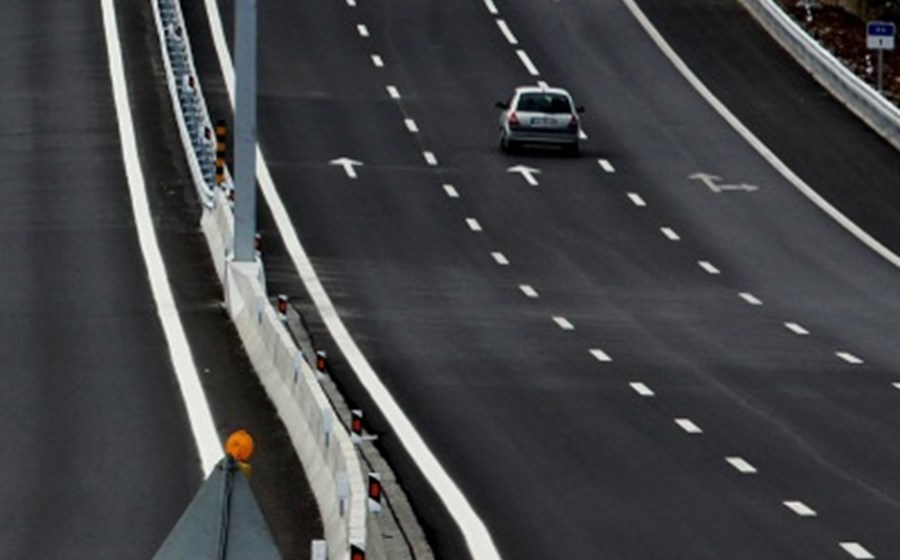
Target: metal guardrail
[[325, 448], [876, 111]]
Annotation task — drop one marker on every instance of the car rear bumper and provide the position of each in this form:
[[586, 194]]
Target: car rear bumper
[[537, 136]]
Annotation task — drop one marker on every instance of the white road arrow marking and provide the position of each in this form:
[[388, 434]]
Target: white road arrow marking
[[711, 181], [527, 172], [348, 165]]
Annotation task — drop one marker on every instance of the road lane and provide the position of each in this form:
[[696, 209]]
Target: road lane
[[504, 393]]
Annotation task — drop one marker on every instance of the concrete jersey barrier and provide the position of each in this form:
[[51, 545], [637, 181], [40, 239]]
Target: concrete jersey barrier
[[876, 111], [322, 443]]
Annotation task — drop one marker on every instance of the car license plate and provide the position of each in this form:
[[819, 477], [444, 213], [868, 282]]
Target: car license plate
[[543, 121]]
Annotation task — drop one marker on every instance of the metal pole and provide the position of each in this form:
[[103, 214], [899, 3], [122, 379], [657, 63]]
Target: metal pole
[[880, 68], [245, 132]]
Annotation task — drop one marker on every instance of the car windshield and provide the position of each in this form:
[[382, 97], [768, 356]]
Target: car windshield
[[544, 103]]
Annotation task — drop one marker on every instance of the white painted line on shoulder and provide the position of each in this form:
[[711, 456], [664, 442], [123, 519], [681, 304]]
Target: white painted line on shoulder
[[796, 328], [857, 551], [451, 191], [741, 465], [563, 323], [473, 224], [362, 30], [377, 61], [411, 125], [670, 234], [750, 298], [500, 258], [708, 267], [430, 158], [393, 92], [600, 355], [489, 4], [198, 412], [849, 358], [606, 165], [642, 390], [800, 508], [637, 200], [528, 291], [688, 426], [532, 69], [507, 33]]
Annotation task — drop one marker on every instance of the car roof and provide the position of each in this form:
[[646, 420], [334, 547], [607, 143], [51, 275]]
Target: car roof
[[539, 89]]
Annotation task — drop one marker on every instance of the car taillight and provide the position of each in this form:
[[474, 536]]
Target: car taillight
[[573, 123], [513, 121]]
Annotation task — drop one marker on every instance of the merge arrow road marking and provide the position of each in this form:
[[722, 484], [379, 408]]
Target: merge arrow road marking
[[348, 165], [527, 173], [710, 181]]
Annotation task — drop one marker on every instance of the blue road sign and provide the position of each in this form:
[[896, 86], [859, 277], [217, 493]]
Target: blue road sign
[[880, 35]]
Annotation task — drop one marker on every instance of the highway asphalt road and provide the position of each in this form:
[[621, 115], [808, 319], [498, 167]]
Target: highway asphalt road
[[621, 361], [99, 459]]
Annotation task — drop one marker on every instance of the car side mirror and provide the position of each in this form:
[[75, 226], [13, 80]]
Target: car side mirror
[[501, 105], [579, 109]]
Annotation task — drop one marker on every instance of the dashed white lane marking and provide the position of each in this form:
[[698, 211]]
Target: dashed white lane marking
[[606, 165], [708, 267], [377, 61], [849, 358], [528, 291], [741, 465], [411, 125], [600, 355], [636, 199], [582, 134], [507, 33], [800, 508], [857, 551], [642, 389], [796, 328], [430, 158], [393, 92], [489, 4], [523, 56], [197, 407], [500, 258], [351, 3], [688, 426], [563, 323], [542, 84], [362, 30], [897, 386], [750, 298], [670, 234], [451, 191], [473, 224]]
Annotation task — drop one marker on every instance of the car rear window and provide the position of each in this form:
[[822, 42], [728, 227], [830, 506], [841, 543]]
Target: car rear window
[[544, 103]]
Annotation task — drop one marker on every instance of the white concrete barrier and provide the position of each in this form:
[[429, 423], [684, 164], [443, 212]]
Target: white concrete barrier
[[876, 111], [322, 443]]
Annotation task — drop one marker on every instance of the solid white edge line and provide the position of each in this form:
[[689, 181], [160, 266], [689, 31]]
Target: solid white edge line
[[204, 430], [755, 142], [475, 533]]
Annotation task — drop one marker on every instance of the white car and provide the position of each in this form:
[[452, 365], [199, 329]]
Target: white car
[[540, 116]]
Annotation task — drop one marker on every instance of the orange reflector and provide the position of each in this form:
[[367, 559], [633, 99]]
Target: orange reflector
[[240, 446]]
